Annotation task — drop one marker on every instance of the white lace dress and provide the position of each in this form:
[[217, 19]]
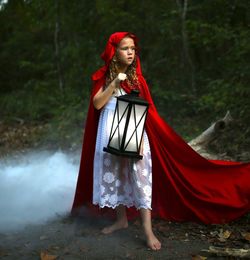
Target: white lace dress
[[120, 180]]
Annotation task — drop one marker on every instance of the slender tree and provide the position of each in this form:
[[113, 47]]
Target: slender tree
[[57, 47], [186, 57]]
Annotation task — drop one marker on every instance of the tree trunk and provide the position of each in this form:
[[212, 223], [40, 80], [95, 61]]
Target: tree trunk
[[57, 48], [186, 58]]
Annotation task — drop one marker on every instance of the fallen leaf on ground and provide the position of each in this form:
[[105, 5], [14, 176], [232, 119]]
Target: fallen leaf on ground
[[246, 236], [46, 256], [224, 235], [3, 253], [84, 249]]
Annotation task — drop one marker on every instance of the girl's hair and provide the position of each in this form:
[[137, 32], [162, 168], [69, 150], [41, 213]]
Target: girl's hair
[[112, 72]]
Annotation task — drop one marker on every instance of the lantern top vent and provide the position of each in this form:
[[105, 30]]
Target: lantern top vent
[[134, 98]]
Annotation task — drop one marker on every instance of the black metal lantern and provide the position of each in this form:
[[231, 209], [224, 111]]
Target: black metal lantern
[[128, 125]]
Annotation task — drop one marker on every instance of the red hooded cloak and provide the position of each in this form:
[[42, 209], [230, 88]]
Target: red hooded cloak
[[185, 186]]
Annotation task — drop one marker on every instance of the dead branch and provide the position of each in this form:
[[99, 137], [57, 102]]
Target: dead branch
[[219, 251]]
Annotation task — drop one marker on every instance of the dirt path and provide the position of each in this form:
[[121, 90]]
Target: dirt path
[[80, 238], [69, 238]]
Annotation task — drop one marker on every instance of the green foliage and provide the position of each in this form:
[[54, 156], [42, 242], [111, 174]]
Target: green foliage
[[217, 40], [67, 124]]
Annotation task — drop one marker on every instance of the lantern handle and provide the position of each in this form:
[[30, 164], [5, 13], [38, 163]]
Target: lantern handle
[[135, 92]]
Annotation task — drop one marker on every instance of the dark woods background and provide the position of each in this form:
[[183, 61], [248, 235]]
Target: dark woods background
[[195, 57]]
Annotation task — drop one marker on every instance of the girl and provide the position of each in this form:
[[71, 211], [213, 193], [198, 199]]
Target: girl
[[171, 179], [120, 182]]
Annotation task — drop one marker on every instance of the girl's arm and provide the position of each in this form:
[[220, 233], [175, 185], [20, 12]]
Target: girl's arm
[[103, 96]]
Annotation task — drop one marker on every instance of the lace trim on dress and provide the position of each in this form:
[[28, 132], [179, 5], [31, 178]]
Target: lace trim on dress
[[126, 205]]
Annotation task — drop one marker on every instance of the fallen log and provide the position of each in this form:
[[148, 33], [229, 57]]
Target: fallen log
[[201, 142]]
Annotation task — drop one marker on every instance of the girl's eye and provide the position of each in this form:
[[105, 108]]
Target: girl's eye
[[126, 48]]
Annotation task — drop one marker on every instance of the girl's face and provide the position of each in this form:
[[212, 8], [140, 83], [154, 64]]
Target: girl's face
[[125, 52]]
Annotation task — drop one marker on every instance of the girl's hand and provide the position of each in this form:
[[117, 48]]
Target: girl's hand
[[121, 76], [103, 95]]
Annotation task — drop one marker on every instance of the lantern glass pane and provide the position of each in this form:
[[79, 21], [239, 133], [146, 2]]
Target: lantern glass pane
[[141, 110], [114, 141], [135, 128], [131, 143], [119, 124]]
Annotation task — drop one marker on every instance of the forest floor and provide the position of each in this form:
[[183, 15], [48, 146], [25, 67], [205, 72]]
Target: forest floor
[[72, 238], [69, 238]]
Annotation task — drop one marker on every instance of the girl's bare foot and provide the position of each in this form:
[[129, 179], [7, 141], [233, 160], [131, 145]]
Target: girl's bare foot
[[152, 242], [116, 226]]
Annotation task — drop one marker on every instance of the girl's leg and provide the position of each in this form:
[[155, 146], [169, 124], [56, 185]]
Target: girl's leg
[[152, 241], [121, 220]]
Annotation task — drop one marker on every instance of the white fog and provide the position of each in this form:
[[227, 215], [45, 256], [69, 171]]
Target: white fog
[[36, 188]]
